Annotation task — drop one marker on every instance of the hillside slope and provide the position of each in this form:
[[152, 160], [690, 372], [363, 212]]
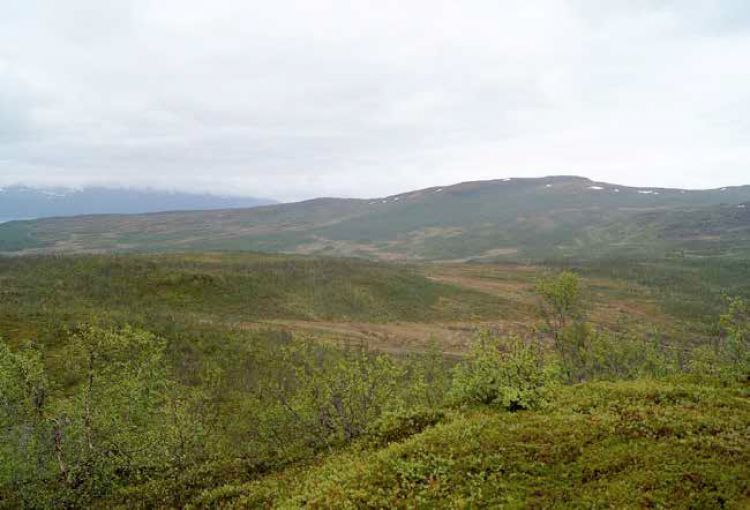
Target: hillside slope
[[509, 218], [641, 444], [721, 230]]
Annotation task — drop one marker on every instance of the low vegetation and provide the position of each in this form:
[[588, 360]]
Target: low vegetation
[[560, 217], [99, 410]]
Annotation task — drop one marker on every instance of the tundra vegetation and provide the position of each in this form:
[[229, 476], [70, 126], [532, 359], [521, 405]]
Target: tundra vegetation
[[129, 385]]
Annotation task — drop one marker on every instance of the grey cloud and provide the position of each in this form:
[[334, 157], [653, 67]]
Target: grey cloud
[[294, 98]]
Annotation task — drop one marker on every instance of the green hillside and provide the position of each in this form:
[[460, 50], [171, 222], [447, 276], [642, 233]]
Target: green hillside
[[159, 291], [505, 219], [645, 444], [721, 230], [243, 380]]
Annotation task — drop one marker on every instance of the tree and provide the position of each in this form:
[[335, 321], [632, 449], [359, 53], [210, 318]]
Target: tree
[[563, 308], [115, 425], [736, 325], [322, 395], [23, 419], [561, 302]]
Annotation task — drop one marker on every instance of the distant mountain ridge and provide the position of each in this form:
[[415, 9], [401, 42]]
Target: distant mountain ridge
[[23, 202], [503, 219]]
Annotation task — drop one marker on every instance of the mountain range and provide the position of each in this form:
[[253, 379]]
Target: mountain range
[[505, 219], [23, 202]]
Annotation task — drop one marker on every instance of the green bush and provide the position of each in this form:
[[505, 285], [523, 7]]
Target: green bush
[[586, 353], [26, 451], [604, 355], [324, 395], [503, 372], [397, 426], [118, 424], [736, 325]]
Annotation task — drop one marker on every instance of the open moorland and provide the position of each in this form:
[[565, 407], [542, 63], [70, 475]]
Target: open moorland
[[502, 220], [250, 380]]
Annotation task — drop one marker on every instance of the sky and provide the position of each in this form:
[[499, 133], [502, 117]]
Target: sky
[[294, 99]]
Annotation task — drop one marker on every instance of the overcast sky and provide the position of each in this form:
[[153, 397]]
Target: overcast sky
[[292, 99]]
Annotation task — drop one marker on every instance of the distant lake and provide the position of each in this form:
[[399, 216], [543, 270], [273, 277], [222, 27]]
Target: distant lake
[[6, 220]]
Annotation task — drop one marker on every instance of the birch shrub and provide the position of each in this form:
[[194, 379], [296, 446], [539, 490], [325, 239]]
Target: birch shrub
[[503, 372], [736, 345], [324, 396]]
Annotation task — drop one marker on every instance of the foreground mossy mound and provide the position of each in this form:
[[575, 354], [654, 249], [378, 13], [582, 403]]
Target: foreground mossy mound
[[682, 443]]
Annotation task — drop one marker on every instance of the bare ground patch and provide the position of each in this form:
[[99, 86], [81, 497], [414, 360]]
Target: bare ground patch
[[396, 337]]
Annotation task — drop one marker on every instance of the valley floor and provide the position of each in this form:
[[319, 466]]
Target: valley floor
[[615, 305]]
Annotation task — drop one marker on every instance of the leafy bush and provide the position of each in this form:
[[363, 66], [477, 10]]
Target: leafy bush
[[586, 353], [117, 425], [397, 426], [705, 360], [633, 444], [561, 301], [563, 309], [503, 372], [736, 324], [326, 395], [25, 449], [604, 355]]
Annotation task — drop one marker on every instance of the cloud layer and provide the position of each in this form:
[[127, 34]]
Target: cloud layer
[[300, 98]]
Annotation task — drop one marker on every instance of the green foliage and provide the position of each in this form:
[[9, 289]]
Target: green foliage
[[736, 325], [503, 372], [561, 301], [109, 415], [430, 377], [118, 425], [598, 354], [397, 426], [610, 356], [326, 396], [705, 360], [586, 352], [562, 307], [638, 444], [156, 291], [690, 289], [114, 423], [23, 422]]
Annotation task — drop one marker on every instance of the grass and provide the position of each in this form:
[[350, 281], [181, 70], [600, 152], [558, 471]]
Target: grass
[[642, 444]]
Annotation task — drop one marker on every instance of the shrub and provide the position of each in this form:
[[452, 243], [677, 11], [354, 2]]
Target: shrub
[[397, 426], [561, 302], [25, 451], [736, 325], [503, 372], [705, 360], [563, 309], [608, 356], [323, 395], [115, 426]]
